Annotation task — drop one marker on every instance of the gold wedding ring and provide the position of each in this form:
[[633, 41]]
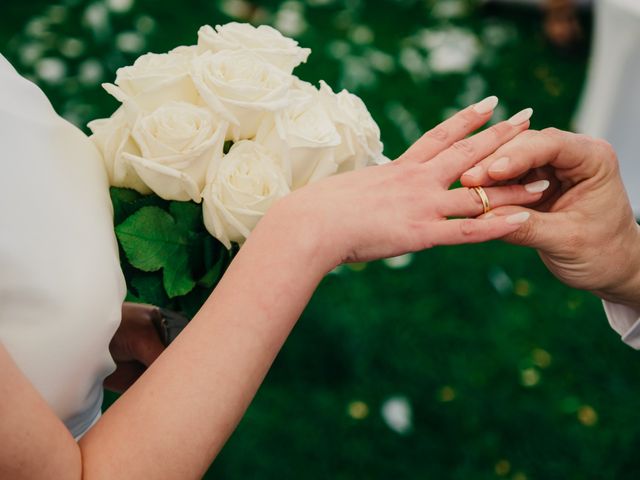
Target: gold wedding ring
[[483, 198]]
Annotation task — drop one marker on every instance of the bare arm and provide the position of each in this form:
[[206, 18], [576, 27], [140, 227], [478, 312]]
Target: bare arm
[[208, 376], [174, 420]]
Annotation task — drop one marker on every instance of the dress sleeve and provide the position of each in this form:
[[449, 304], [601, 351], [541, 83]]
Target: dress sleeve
[[624, 320]]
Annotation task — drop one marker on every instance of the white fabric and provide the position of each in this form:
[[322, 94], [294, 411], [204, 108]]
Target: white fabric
[[610, 106], [626, 321], [61, 287]]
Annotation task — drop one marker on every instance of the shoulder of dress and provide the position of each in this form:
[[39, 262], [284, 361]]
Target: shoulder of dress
[[20, 97]]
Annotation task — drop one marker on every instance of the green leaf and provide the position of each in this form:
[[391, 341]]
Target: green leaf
[[149, 238], [126, 202], [130, 297], [177, 277], [122, 199], [150, 288], [212, 277], [153, 240], [187, 214]]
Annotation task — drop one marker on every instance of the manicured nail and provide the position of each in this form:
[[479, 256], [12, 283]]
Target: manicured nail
[[489, 215], [518, 218], [474, 172], [537, 187], [487, 105], [499, 165], [521, 117]]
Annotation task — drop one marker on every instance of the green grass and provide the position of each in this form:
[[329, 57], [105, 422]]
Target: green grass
[[509, 373]]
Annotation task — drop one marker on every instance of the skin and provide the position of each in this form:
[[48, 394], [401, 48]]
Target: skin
[[172, 422], [584, 228], [134, 347]]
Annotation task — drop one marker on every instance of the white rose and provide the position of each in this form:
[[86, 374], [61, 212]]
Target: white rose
[[243, 86], [112, 136], [304, 136], [266, 42], [248, 181], [178, 142], [154, 79], [361, 145]]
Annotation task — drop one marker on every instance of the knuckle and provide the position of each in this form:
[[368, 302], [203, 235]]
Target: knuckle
[[530, 135], [465, 147], [467, 117], [415, 235], [438, 133], [501, 129], [582, 138], [468, 227], [407, 172], [607, 151], [553, 132]]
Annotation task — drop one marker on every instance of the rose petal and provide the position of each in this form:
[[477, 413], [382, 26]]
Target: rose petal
[[166, 182]]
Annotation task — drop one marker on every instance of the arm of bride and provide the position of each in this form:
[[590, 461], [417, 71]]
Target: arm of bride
[[176, 417]]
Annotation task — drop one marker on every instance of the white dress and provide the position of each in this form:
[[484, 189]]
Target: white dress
[[61, 287]]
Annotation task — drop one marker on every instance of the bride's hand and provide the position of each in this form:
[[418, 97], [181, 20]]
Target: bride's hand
[[134, 346], [403, 206]]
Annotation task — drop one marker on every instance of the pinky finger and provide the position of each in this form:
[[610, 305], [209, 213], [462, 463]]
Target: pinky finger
[[476, 230]]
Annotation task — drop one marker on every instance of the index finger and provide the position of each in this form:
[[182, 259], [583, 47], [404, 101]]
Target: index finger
[[450, 164], [532, 149], [450, 131]]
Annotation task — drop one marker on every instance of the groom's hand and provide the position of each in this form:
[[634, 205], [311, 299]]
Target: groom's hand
[[583, 227]]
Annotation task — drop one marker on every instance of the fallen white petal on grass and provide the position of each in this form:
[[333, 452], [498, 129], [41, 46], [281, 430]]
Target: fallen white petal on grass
[[397, 414]]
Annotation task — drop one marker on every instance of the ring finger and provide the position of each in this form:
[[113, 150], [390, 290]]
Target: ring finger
[[467, 202]]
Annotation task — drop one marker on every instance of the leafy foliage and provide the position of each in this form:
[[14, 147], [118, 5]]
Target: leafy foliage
[[168, 253]]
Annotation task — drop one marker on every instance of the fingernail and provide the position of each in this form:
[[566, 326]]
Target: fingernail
[[521, 117], [487, 105], [537, 187], [489, 215], [518, 218], [474, 172], [499, 165]]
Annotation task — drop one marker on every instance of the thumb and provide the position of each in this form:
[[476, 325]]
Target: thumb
[[541, 231]]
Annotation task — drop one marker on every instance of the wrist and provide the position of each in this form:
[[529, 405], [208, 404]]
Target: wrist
[[288, 227], [625, 288]]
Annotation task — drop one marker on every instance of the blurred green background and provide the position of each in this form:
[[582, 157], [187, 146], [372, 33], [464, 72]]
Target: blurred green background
[[456, 363]]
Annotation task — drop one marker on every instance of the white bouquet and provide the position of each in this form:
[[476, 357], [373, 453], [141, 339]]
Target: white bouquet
[[225, 123]]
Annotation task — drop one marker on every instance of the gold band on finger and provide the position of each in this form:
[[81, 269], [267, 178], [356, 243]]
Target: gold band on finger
[[483, 198]]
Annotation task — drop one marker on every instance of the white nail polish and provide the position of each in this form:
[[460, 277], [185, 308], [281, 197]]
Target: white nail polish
[[521, 117], [473, 172], [518, 218], [487, 105], [537, 187]]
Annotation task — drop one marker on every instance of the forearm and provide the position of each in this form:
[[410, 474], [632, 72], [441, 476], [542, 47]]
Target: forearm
[[174, 420]]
